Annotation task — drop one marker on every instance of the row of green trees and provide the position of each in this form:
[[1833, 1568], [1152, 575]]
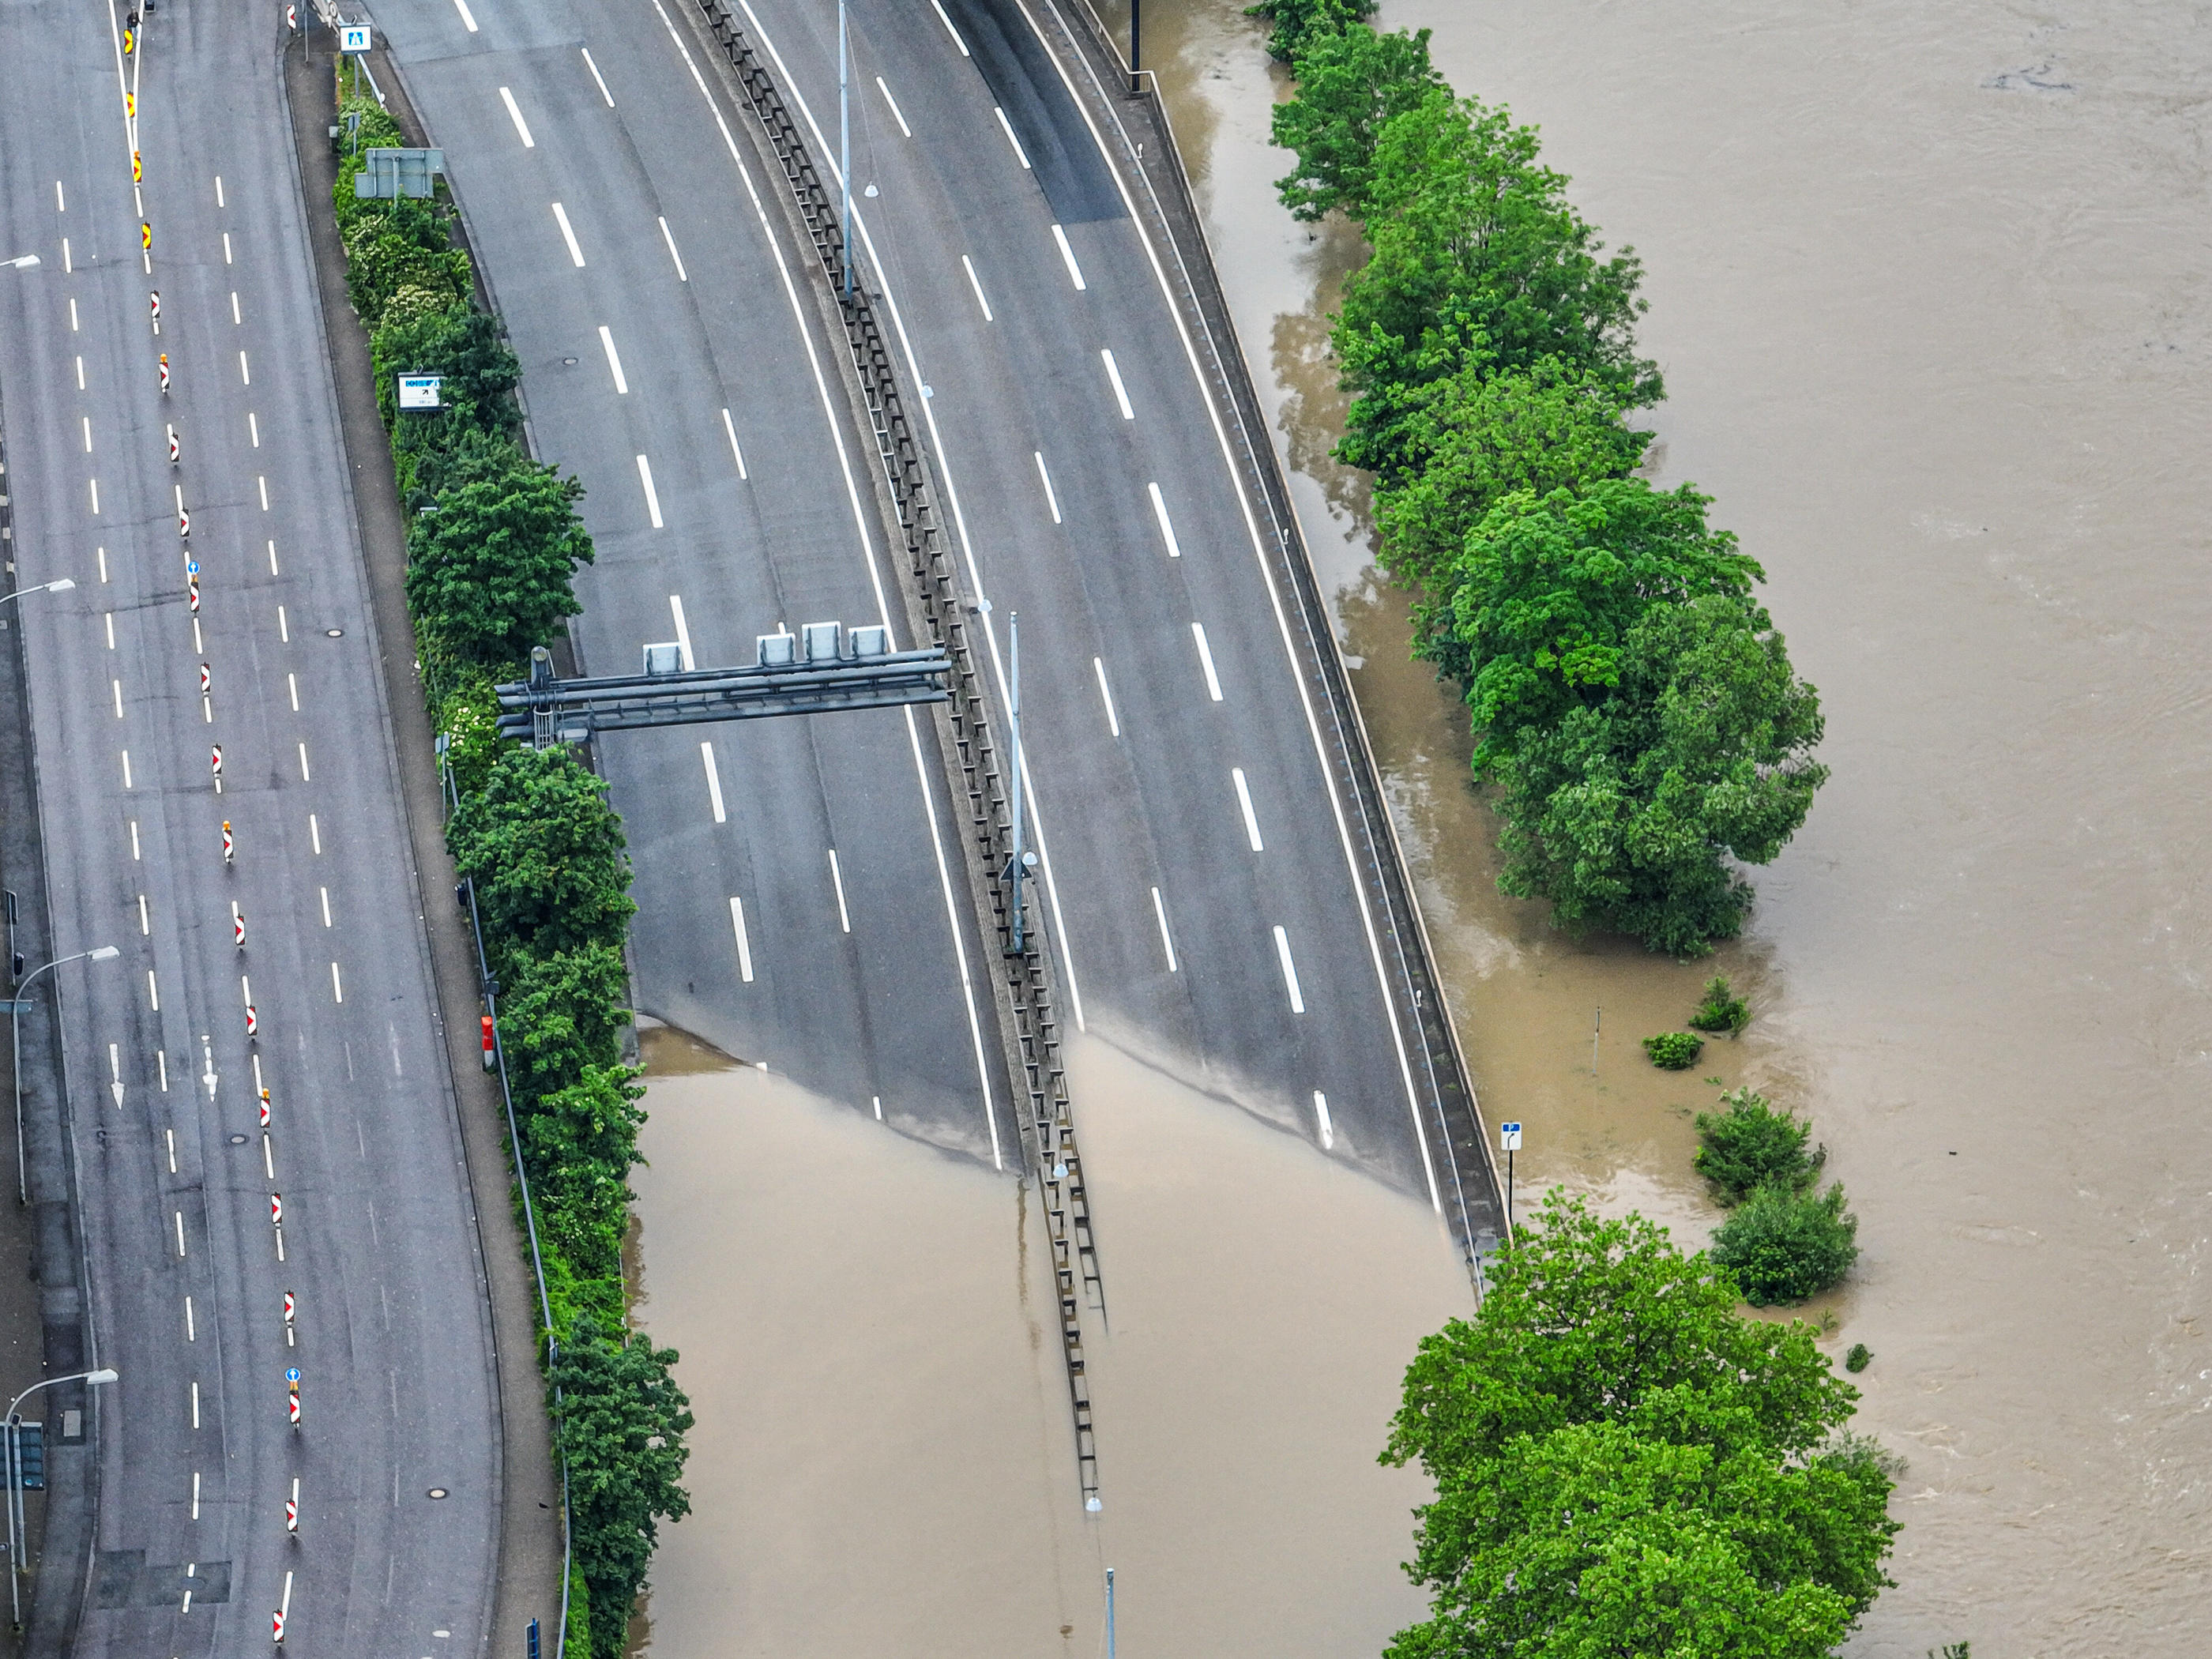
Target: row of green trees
[[492, 547], [1635, 710]]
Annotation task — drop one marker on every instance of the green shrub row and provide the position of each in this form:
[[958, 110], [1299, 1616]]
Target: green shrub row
[[1636, 713], [493, 542]]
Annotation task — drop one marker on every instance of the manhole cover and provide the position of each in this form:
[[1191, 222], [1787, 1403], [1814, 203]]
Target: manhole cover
[[437, 1491], [237, 1140], [334, 633]]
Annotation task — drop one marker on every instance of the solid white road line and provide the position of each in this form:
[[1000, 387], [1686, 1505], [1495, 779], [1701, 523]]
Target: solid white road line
[[614, 359], [1050, 500], [1244, 802], [744, 946], [521, 126], [713, 782], [730, 427], [1327, 1128], [1167, 940], [893, 102], [1205, 661], [837, 880], [1120, 392], [1167, 530], [667, 236], [652, 496], [1106, 697], [682, 633], [1290, 971], [568, 235], [594, 69], [468, 17], [941, 18], [976, 282], [1007, 126], [1066, 252]]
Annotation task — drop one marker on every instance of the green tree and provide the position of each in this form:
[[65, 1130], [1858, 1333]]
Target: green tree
[[1784, 1246], [1549, 588], [1622, 812], [620, 1421], [1298, 23], [1351, 82], [1751, 1144], [561, 1014], [580, 1143], [1475, 248], [1626, 1465], [545, 851], [490, 570]]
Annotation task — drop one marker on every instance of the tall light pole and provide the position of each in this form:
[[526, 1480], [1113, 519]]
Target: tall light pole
[[15, 1050], [59, 585], [14, 1469]]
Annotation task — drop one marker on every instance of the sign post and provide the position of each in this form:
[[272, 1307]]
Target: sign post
[[1509, 1142], [420, 390]]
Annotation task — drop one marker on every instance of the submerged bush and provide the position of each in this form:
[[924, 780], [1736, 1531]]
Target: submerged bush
[[1722, 1010], [1752, 1144], [1674, 1051], [1784, 1246], [1858, 1358]]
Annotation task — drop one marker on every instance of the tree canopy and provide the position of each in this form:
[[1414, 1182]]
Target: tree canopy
[[1352, 82], [489, 568], [565, 1010], [1297, 22], [1626, 1465], [545, 852]]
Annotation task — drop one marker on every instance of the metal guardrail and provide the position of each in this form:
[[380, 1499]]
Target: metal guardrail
[[1025, 985]]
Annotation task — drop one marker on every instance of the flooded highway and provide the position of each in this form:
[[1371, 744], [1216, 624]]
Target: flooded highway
[[1928, 287]]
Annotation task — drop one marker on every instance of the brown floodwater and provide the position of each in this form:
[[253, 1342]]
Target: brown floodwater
[[1929, 287], [883, 1461]]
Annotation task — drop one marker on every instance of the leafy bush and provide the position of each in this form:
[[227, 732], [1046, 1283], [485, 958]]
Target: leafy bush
[[545, 852], [1752, 1144], [1858, 1358], [1299, 23], [1625, 1464], [1674, 1051], [566, 1012], [621, 1424], [1722, 1010], [1784, 1246], [490, 571]]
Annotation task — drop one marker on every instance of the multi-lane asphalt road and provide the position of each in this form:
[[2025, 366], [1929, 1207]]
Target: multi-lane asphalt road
[[332, 1233], [1201, 881]]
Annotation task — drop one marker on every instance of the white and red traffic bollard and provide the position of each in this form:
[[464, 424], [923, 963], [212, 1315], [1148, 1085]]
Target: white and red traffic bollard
[[276, 1209], [238, 924], [252, 1021], [165, 375], [175, 448], [490, 1050], [264, 1124], [229, 846]]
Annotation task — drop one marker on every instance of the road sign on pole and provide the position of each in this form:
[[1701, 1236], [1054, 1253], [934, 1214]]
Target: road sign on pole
[[354, 37], [1509, 1141], [1508, 1137]]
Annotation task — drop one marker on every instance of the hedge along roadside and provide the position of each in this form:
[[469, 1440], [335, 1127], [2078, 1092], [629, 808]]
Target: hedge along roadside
[[492, 547], [1635, 709]]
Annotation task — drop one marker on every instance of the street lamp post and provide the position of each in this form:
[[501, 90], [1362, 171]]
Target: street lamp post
[[15, 1483], [22, 262], [59, 585], [15, 1051]]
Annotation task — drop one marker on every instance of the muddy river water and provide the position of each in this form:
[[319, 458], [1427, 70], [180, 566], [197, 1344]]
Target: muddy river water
[[1930, 285]]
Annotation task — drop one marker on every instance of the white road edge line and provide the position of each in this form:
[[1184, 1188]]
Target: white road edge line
[[682, 633], [1327, 1128], [594, 69], [837, 880], [1205, 661], [652, 496], [1167, 530], [568, 235], [893, 102], [668, 236], [1007, 127], [614, 359], [1067, 254], [1167, 940], [521, 126], [1051, 500], [1290, 971], [976, 282], [713, 782], [744, 946], [1113, 720], [1121, 392], [1260, 553], [1244, 802]]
